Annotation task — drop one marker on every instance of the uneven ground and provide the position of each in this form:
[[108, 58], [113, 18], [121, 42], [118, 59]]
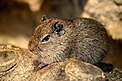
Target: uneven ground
[[18, 64]]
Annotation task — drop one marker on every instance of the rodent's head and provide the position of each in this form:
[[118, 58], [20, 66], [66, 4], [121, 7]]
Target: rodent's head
[[51, 39]]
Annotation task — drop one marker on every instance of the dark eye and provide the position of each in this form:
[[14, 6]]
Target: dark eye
[[46, 38]]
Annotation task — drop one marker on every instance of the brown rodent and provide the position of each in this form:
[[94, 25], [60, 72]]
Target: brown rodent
[[56, 40]]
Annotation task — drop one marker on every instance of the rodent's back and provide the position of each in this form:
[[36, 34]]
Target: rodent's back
[[91, 40]]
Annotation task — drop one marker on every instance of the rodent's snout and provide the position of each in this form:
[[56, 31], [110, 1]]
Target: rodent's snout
[[31, 46]]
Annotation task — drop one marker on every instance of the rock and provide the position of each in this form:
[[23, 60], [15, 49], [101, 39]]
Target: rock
[[17, 64], [115, 75]]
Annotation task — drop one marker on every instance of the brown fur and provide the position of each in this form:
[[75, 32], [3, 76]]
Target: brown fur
[[84, 39]]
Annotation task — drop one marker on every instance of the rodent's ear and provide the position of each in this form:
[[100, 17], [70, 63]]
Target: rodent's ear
[[58, 28], [43, 18], [57, 25]]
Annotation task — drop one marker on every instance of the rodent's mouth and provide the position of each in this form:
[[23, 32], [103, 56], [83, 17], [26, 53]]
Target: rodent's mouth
[[36, 50]]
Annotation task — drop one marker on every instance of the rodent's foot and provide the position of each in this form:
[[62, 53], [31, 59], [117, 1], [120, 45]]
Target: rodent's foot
[[106, 67], [38, 65]]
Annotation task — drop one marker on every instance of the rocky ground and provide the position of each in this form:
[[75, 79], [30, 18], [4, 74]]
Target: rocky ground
[[17, 64]]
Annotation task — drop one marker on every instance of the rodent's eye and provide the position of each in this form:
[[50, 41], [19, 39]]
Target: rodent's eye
[[46, 38]]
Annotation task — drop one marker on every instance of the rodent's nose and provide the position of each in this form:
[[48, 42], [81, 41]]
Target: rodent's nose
[[31, 46]]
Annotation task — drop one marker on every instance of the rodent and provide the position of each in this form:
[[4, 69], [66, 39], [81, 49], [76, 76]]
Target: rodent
[[57, 39]]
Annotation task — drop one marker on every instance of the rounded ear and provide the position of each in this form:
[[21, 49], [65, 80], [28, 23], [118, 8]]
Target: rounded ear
[[43, 18], [58, 25], [58, 28]]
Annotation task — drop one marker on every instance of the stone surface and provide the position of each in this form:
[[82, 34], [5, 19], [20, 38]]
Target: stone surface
[[17, 65], [115, 75]]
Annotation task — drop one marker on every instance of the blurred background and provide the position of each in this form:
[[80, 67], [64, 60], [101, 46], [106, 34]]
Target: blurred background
[[18, 19]]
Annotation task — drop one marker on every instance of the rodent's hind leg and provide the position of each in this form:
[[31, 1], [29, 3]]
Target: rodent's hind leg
[[38, 65], [106, 67]]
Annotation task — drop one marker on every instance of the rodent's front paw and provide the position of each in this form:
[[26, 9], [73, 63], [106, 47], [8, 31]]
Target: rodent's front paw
[[38, 65]]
